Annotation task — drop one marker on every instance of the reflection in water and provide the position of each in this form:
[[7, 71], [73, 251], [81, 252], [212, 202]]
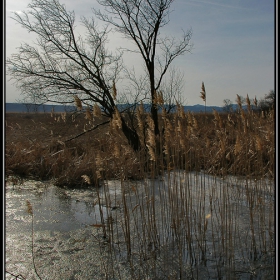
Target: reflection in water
[[54, 209], [63, 229], [87, 214]]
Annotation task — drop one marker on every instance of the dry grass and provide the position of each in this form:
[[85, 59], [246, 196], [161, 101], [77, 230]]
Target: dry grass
[[36, 147], [219, 144], [180, 227]]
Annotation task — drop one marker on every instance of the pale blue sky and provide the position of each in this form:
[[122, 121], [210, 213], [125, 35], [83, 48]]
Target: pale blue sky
[[233, 46]]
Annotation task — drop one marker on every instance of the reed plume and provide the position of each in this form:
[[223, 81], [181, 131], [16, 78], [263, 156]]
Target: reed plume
[[89, 116], [167, 136], [258, 143], [151, 142], [194, 122], [78, 103], [238, 100], [63, 117], [116, 151], [158, 98], [116, 121], [203, 92], [255, 101], [218, 119], [29, 207], [86, 179], [141, 124], [248, 103], [97, 111], [139, 114], [237, 146]]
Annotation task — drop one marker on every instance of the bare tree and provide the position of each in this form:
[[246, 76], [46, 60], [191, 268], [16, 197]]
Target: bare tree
[[172, 89], [268, 102], [227, 105], [62, 65], [141, 21]]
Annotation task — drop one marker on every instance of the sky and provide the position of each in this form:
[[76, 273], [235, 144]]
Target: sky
[[233, 46]]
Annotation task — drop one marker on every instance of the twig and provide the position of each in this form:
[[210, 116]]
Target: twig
[[93, 128], [19, 276]]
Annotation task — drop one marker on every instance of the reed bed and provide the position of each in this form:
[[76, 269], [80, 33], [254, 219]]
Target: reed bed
[[189, 226], [196, 202], [240, 144]]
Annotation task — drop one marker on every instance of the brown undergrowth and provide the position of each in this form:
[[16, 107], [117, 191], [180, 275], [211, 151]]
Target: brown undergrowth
[[177, 222], [221, 144]]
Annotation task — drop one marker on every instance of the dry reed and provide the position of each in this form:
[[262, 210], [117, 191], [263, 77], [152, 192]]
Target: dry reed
[[188, 217]]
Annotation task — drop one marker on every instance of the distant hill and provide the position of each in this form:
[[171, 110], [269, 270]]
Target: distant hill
[[201, 108], [28, 108], [25, 108]]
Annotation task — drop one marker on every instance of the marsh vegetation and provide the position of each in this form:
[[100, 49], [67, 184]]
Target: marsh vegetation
[[195, 202]]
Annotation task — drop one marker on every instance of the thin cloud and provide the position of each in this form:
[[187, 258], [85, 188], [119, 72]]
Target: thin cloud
[[217, 4]]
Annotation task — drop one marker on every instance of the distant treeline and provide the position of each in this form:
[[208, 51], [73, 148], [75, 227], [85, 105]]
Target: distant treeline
[[31, 108]]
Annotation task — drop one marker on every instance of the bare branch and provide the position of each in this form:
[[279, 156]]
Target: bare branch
[[141, 22], [88, 130], [63, 64]]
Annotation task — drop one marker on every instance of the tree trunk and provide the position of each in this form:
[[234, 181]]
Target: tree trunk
[[131, 136], [154, 110]]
